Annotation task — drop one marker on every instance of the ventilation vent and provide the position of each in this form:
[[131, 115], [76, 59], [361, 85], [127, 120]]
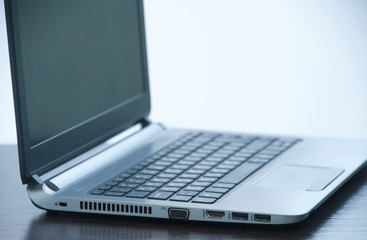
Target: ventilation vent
[[114, 207]]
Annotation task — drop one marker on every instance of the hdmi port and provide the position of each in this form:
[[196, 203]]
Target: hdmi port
[[240, 216], [214, 214]]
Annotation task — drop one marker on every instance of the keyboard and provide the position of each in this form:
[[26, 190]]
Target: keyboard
[[198, 167]]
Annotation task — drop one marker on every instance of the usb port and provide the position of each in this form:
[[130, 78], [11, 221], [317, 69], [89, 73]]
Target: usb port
[[240, 216], [262, 218], [214, 214]]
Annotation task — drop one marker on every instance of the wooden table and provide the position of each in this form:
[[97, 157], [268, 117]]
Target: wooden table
[[343, 216]]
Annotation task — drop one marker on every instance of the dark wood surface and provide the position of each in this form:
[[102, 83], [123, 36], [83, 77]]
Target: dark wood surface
[[343, 216]]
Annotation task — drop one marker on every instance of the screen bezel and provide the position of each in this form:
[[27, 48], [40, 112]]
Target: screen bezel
[[49, 154]]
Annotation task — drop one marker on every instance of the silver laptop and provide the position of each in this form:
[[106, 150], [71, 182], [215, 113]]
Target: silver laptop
[[81, 93]]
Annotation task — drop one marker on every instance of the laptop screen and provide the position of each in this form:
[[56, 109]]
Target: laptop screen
[[81, 72], [77, 64]]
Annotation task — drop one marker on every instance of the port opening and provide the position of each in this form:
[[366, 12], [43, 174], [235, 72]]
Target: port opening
[[178, 213], [63, 204], [240, 216], [215, 214], [262, 218]]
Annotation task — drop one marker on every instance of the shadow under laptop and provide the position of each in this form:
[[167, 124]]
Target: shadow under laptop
[[55, 225]]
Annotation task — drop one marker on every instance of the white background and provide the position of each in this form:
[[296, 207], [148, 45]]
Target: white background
[[292, 67]]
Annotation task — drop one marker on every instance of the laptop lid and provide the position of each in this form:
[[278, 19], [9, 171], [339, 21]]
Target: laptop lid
[[79, 73]]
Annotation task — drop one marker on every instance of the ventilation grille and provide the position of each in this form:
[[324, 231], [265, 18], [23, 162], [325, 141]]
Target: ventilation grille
[[114, 207]]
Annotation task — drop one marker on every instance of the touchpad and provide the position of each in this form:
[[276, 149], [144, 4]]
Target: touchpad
[[299, 177]]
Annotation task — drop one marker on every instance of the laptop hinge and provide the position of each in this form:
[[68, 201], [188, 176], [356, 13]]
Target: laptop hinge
[[36, 179], [145, 122]]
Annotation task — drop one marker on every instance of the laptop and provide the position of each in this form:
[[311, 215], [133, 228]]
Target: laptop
[[86, 144]]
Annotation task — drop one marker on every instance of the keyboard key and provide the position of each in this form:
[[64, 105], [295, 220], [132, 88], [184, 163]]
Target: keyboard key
[[225, 151], [181, 151], [118, 179], [180, 198], [190, 176], [270, 152], [160, 195], [179, 166], [149, 172], [203, 200], [204, 151], [142, 176], [202, 167], [175, 184], [223, 185], [137, 194], [169, 189], [173, 171], [193, 144], [144, 163], [160, 180], [135, 180], [240, 173], [194, 188], [214, 159], [121, 189], [210, 195], [207, 179], [202, 139], [146, 189], [208, 163], [217, 190], [187, 148], [226, 166], [182, 180], [230, 147], [124, 175], [241, 142], [150, 160], [167, 175], [243, 155], [111, 183], [234, 163], [156, 167], [184, 162], [196, 156], [169, 159], [162, 163], [258, 160], [130, 185], [137, 167], [188, 193], [152, 184], [214, 175], [105, 187], [209, 147], [219, 170], [220, 155], [265, 156], [246, 152], [275, 148], [176, 156], [113, 194], [200, 184], [238, 158], [195, 171]]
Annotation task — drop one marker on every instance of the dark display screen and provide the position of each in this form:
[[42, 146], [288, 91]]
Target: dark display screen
[[80, 59]]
